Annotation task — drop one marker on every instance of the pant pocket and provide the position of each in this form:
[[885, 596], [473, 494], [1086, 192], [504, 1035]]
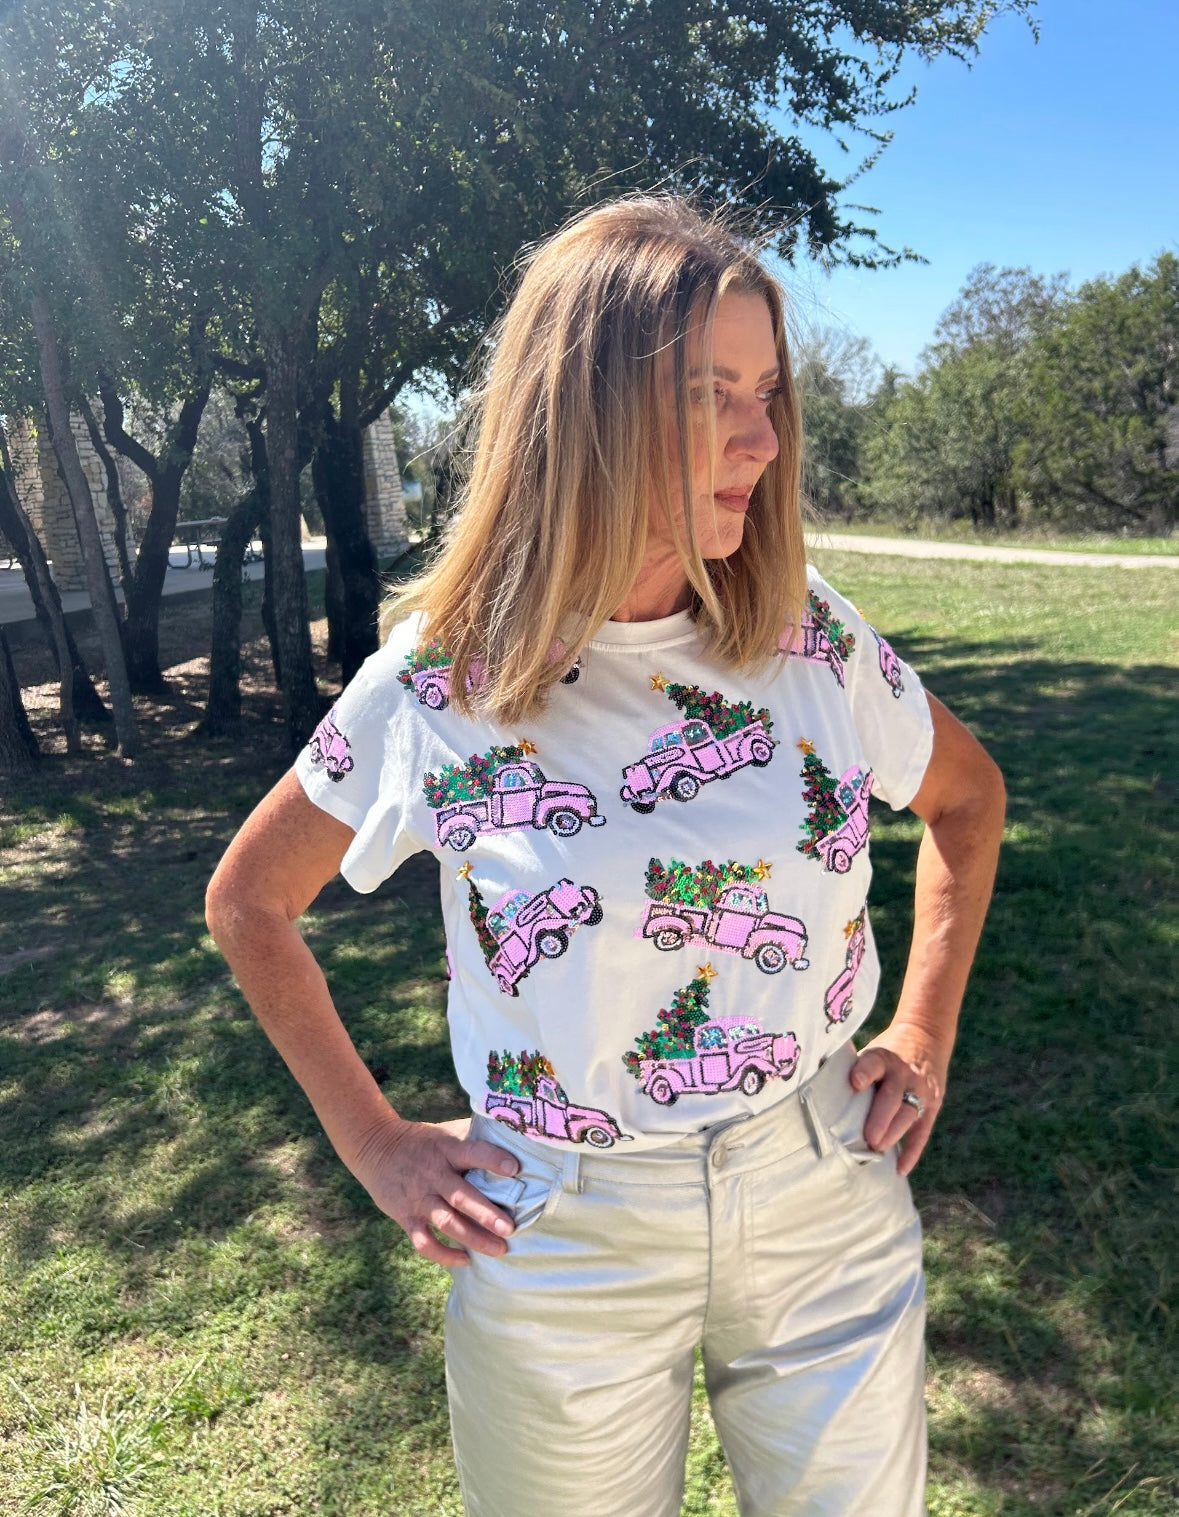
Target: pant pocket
[[844, 1122], [531, 1193]]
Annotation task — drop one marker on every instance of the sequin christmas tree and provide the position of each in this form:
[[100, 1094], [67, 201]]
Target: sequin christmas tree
[[470, 781], [478, 912], [724, 717], [697, 884], [824, 811], [517, 1074], [841, 640], [428, 655], [673, 1037]]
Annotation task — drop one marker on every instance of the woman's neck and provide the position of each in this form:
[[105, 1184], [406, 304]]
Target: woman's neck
[[660, 589]]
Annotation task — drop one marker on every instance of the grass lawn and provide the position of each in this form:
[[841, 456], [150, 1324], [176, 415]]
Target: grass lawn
[[203, 1316]]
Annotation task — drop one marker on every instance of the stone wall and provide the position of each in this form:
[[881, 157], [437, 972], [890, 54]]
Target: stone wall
[[43, 495]]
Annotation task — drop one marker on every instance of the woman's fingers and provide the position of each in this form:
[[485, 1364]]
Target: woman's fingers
[[892, 1117]]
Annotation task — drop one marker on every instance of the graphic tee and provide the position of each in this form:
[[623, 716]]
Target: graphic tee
[[654, 892]]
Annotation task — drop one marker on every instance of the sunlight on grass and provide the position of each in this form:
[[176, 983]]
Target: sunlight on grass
[[201, 1311]]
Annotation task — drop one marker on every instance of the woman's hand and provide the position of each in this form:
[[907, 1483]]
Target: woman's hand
[[415, 1172], [901, 1060]]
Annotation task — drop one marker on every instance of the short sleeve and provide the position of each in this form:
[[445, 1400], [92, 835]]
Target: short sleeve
[[358, 767], [888, 700]]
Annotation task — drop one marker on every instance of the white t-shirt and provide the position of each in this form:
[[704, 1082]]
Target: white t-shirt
[[654, 893]]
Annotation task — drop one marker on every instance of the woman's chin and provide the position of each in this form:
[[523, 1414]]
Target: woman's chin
[[725, 538]]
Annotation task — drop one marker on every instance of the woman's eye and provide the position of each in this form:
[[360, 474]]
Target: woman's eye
[[765, 396]]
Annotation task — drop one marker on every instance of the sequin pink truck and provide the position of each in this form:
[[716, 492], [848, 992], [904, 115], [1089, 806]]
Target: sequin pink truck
[[520, 796], [838, 1001], [740, 922], [548, 1114], [838, 848], [432, 686], [329, 747], [730, 1053], [815, 645], [685, 755], [529, 928], [890, 665]]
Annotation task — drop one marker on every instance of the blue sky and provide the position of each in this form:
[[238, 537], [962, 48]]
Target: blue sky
[[1060, 155]]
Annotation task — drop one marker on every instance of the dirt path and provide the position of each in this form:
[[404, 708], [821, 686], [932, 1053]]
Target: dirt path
[[916, 547]]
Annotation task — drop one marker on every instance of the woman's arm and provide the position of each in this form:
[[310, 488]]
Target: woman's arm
[[961, 801], [283, 856]]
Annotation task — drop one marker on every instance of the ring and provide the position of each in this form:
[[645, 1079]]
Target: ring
[[911, 1098]]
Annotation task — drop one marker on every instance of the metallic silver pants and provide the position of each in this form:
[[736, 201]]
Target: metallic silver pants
[[779, 1244]]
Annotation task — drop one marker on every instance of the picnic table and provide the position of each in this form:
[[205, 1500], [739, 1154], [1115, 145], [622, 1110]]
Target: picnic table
[[203, 537]]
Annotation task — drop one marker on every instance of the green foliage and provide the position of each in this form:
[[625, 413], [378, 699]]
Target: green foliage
[[478, 914], [695, 884], [724, 717], [471, 781], [835, 376], [1101, 444], [1039, 404], [517, 1074], [428, 655], [824, 812], [842, 641], [673, 1037]]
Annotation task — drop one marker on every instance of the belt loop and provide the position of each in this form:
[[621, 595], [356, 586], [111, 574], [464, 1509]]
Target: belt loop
[[819, 1134], [571, 1172]]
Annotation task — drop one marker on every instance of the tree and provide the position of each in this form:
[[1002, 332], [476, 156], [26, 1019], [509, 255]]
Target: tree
[[724, 717], [1102, 442], [519, 1074], [19, 750], [837, 376], [350, 183], [696, 884], [673, 1037], [945, 444], [471, 781]]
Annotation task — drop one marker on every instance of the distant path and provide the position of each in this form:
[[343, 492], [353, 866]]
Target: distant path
[[916, 547]]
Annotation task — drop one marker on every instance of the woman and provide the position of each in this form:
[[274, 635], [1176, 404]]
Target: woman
[[641, 744]]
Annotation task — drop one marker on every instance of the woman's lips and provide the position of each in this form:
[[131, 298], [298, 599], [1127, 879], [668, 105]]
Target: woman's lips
[[733, 500]]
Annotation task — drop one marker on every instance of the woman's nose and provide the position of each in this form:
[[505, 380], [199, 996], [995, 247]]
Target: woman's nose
[[755, 437]]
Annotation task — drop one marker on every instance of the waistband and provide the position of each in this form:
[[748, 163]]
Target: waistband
[[744, 1143]]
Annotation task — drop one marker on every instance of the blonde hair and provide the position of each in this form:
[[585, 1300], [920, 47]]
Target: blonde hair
[[569, 451]]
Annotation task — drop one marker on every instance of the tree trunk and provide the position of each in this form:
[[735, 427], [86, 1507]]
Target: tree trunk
[[78, 700], [141, 629], [299, 696], [266, 610], [19, 751], [102, 599], [114, 495], [338, 471], [223, 709]]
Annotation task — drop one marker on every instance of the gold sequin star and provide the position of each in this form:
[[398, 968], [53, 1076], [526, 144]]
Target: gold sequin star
[[806, 746], [763, 870], [465, 872], [525, 746], [851, 927], [705, 972], [659, 682]]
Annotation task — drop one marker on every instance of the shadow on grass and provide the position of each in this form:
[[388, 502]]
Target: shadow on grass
[[147, 1126]]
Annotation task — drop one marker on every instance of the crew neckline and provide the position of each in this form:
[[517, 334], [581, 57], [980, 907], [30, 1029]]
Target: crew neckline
[[676, 628]]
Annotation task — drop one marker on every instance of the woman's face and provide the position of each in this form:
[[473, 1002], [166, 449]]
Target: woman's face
[[742, 380]]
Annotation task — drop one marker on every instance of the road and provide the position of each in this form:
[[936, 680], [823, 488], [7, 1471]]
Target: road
[[916, 547]]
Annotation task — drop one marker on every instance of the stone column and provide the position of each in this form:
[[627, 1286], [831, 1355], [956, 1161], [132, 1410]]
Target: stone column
[[43, 495], [384, 508]]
